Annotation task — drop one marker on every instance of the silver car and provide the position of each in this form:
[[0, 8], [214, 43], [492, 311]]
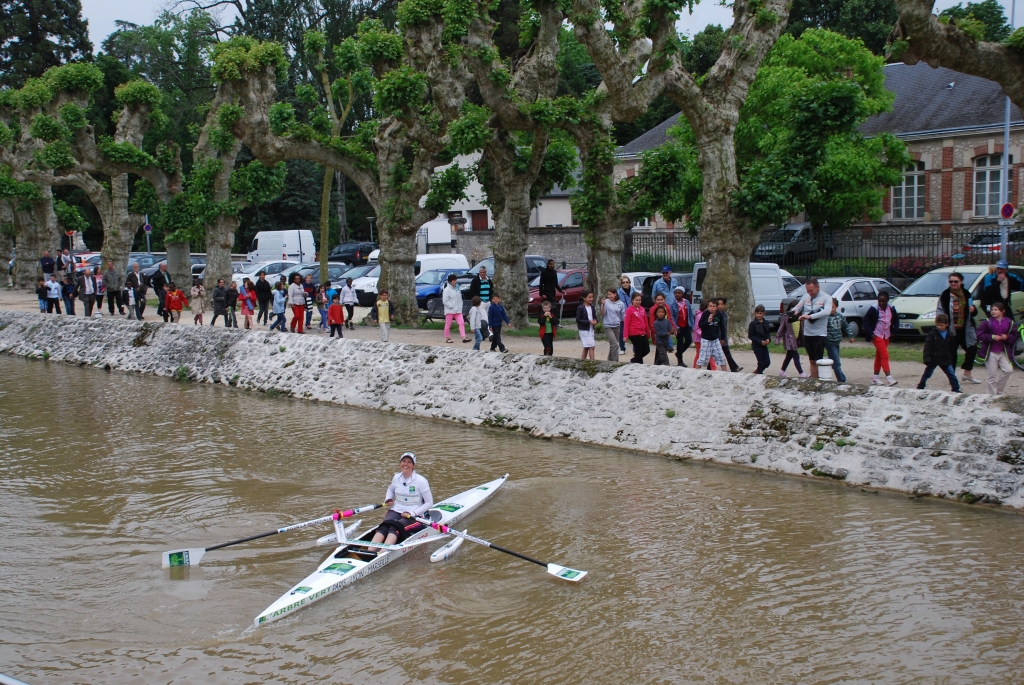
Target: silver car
[[855, 294]]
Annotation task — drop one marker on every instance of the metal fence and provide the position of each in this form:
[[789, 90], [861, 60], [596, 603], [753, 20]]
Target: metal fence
[[897, 254]]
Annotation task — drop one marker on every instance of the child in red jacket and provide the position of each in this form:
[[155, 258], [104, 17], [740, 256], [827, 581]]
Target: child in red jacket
[[174, 302], [336, 317]]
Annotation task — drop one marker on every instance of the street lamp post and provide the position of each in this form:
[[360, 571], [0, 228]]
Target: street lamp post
[[371, 219]]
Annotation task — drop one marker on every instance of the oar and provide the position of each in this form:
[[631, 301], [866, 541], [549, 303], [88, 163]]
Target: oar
[[563, 572], [191, 557]]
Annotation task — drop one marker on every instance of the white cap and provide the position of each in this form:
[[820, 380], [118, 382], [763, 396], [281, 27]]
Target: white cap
[[410, 455]]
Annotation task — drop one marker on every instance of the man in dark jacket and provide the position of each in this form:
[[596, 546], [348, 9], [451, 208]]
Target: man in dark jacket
[[220, 303], [47, 264], [998, 286], [264, 294], [114, 283], [137, 283], [549, 283], [481, 286], [158, 281], [87, 289]]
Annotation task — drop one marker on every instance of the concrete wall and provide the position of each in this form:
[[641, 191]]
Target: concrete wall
[[560, 244], [965, 447]]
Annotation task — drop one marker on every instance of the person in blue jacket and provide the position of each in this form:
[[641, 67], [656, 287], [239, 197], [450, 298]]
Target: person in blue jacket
[[496, 316], [663, 285], [998, 285]]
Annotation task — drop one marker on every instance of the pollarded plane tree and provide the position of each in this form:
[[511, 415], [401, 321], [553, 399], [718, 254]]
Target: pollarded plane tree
[[417, 92], [27, 160], [591, 116], [521, 158], [66, 152], [711, 106]]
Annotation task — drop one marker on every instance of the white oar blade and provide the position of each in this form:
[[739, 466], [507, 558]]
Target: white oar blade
[[566, 573], [182, 557], [447, 551]]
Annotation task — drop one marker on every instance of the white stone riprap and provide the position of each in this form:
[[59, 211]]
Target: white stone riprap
[[966, 447]]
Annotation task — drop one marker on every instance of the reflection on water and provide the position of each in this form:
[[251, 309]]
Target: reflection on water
[[697, 573]]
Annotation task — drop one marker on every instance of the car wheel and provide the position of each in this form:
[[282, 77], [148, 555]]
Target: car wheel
[[854, 328]]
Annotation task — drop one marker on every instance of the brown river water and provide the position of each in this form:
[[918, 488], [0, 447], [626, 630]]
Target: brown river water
[[698, 573]]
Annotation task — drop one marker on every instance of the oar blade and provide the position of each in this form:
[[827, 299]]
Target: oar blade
[[566, 573], [182, 557]]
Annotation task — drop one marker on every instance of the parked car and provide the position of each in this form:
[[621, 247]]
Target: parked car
[[354, 253], [571, 281], [855, 295], [296, 244], [252, 270], [356, 272], [335, 270], [534, 265], [791, 244], [429, 285], [200, 271], [637, 278], [789, 281], [917, 304], [366, 286], [198, 266], [990, 243]]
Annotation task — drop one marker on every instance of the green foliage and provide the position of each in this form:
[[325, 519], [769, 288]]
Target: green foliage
[[470, 132], [55, 155], [670, 181], [34, 94], [399, 90], [73, 117], [282, 118], [6, 135], [1016, 40], [255, 183], [69, 217], [415, 12], [456, 15], [306, 94], [138, 92], [46, 128], [447, 188], [80, 77], [12, 189], [983, 20], [314, 42], [124, 153], [241, 55], [379, 47]]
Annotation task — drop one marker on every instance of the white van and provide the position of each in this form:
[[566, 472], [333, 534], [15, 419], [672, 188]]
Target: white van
[[766, 282], [295, 246], [366, 286]]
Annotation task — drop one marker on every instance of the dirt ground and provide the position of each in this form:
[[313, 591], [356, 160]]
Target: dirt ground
[[567, 345]]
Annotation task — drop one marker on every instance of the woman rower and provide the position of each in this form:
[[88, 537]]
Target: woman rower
[[409, 493]]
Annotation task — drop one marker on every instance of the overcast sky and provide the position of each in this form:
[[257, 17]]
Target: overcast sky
[[102, 14]]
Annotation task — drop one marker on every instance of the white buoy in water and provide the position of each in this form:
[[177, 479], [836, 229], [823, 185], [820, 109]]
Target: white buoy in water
[[448, 550]]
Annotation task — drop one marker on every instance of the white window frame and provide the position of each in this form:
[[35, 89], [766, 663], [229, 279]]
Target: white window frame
[[913, 181], [642, 223], [988, 171]]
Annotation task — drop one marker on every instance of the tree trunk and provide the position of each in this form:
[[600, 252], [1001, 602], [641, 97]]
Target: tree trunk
[[6, 237], [179, 264], [605, 243], [510, 244], [604, 233], [35, 230], [339, 205], [723, 238], [119, 229], [325, 223], [220, 238], [397, 270]]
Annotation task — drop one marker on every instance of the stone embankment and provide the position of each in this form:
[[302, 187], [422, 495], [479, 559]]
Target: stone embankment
[[967, 448]]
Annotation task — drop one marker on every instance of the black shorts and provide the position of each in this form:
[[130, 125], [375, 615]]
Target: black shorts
[[815, 346], [402, 527]]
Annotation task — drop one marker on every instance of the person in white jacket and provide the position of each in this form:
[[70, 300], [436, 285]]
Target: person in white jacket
[[409, 494], [477, 322], [349, 300], [452, 299]]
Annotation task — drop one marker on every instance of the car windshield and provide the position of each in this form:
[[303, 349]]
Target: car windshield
[[829, 287], [253, 268], [985, 239], [487, 263], [783, 235], [535, 283], [932, 285], [373, 273], [430, 277]]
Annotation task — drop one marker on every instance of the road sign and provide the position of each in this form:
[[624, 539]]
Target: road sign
[[147, 228], [1007, 211], [1007, 222], [69, 233]]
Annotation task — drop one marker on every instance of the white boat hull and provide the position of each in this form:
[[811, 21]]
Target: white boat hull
[[339, 570]]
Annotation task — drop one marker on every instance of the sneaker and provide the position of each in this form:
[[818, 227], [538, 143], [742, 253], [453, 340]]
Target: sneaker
[[971, 379], [920, 387], [805, 375], [738, 369], [782, 374], [890, 381], [875, 381]]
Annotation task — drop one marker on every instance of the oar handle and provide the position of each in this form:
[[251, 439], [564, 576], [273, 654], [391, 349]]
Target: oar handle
[[337, 515], [466, 536]]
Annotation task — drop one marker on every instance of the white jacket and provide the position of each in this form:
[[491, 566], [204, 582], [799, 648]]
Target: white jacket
[[348, 295], [452, 298], [296, 295], [476, 318]]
